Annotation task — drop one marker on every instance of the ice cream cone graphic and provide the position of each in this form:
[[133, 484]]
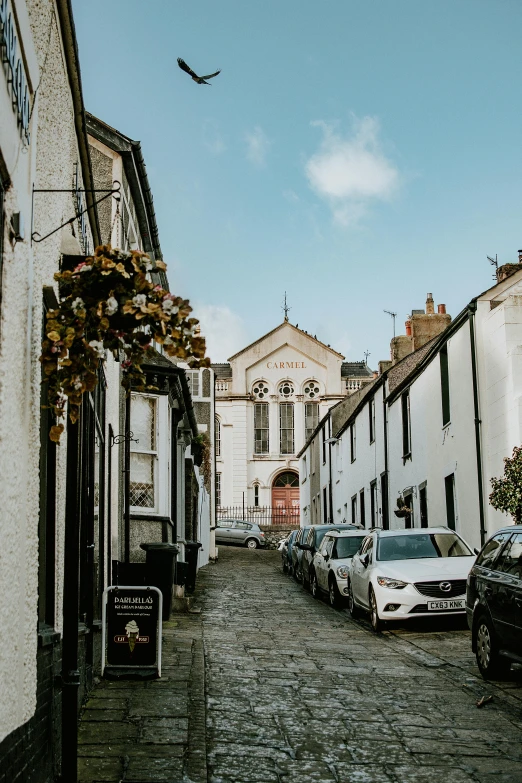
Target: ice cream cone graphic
[[132, 631]]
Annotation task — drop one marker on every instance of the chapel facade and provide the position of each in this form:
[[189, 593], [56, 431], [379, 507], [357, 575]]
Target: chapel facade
[[270, 397]]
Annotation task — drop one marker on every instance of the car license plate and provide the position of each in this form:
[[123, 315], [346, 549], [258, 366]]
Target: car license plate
[[459, 603]]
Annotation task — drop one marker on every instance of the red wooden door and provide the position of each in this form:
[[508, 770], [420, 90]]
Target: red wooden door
[[285, 498]]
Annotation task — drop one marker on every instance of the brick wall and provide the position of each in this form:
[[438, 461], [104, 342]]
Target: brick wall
[[31, 753]]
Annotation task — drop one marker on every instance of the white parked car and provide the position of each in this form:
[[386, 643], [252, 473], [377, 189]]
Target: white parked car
[[399, 574], [330, 566]]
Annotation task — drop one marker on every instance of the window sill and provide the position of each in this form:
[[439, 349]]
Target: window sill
[[406, 457], [47, 635], [445, 426]]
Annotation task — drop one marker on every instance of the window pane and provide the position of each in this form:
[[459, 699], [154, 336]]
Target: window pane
[[286, 427], [143, 422], [218, 489], [193, 382], [261, 428], [311, 418], [217, 437], [142, 480]]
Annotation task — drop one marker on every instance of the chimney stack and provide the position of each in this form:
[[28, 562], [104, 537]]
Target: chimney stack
[[408, 327], [430, 306], [441, 309], [520, 256]]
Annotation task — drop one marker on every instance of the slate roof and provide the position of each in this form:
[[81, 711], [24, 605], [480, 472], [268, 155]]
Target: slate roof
[[400, 371], [342, 412], [355, 370], [222, 370]]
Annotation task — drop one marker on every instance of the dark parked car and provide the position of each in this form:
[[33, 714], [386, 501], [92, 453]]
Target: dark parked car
[[237, 531], [286, 552], [297, 552], [311, 543], [494, 602]]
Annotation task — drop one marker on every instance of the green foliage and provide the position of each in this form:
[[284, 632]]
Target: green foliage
[[507, 490]]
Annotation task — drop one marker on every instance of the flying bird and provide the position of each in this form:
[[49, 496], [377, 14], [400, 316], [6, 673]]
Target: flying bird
[[195, 78]]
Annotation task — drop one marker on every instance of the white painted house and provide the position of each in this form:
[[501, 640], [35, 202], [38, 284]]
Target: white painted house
[[432, 430]]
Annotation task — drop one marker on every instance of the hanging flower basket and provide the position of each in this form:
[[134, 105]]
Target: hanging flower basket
[[108, 303], [402, 512]]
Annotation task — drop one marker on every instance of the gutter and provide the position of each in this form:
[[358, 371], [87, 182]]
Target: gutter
[[187, 399], [471, 310], [70, 47]]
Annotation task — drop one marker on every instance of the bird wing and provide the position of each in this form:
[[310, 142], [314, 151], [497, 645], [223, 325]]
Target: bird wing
[[184, 67], [211, 75]]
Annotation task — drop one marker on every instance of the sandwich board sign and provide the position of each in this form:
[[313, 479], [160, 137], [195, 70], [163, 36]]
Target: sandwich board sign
[[131, 631]]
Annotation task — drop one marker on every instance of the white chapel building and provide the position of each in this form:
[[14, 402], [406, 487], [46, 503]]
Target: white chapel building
[[270, 398]]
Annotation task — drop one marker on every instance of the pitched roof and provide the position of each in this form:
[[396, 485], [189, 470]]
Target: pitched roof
[[343, 411], [286, 323], [400, 371]]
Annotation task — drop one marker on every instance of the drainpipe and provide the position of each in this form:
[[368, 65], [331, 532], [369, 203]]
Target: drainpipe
[[472, 308], [385, 443], [71, 593], [126, 479], [174, 422]]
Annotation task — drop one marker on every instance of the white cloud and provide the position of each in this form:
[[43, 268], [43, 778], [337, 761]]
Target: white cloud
[[350, 172], [258, 145], [223, 329]]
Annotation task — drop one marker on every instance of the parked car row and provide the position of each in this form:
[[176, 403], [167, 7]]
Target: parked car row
[[397, 575]]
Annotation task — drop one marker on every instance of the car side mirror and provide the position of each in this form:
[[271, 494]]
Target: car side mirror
[[365, 559], [477, 551], [326, 556], [306, 547]]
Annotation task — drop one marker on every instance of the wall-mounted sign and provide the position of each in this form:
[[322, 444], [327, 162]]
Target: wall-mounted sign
[[14, 68], [131, 633], [286, 365]]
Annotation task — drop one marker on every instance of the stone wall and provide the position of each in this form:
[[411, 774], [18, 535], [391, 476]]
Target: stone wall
[[276, 533]]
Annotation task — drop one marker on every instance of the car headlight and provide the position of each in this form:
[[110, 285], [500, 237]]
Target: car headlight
[[343, 571], [387, 581]]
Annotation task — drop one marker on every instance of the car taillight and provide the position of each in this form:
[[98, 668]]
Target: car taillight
[[262, 534]]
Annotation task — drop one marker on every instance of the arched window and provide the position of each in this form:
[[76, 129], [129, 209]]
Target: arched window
[[287, 479], [260, 390], [217, 437], [286, 389], [311, 390]]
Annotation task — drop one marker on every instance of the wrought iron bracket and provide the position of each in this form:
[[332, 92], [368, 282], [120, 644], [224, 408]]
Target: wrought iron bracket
[[127, 437], [115, 192]]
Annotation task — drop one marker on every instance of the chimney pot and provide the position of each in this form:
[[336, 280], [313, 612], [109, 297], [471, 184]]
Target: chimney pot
[[408, 327], [430, 306], [441, 309]]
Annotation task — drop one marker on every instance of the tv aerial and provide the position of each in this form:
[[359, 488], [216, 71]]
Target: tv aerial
[[394, 316], [494, 262]]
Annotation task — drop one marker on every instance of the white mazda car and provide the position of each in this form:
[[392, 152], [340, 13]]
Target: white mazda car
[[399, 574]]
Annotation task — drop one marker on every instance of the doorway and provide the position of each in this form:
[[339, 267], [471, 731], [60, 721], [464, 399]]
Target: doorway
[[285, 497]]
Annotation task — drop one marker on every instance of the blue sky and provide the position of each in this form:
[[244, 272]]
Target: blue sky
[[355, 153]]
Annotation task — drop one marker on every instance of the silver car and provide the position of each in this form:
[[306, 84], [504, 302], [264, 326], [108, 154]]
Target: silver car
[[237, 531]]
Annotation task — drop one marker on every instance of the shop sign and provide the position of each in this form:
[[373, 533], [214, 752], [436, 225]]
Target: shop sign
[[14, 67], [131, 634]]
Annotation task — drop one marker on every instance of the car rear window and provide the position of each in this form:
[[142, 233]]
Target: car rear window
[[424, 545], [347, 547]]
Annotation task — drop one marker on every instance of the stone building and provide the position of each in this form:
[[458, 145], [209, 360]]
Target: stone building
[[270, 397]]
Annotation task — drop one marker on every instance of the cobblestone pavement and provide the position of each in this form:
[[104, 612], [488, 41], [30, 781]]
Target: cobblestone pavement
[[298, 692]]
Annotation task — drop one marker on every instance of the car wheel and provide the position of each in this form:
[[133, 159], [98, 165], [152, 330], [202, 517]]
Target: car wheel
[[333, 593], [314, 587], [251, 543], [374, 613], [285, 567], [352, 606], [296, 574], [490, 663]]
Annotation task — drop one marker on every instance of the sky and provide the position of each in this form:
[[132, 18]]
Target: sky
[[356, 154]]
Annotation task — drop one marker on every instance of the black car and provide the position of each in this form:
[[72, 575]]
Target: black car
[[494, 602], [297, 552], [309, 545]]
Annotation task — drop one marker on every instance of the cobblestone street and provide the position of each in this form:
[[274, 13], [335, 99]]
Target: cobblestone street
[[299, 692]]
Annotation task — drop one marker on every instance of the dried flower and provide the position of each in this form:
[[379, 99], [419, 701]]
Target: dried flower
[[140, 300], [111, 305], [78, 305], [97, 346]]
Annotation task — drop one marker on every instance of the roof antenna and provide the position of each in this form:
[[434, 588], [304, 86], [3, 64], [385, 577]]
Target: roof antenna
[[394, 316], [285, 309], [494, 262], [366, 354]]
